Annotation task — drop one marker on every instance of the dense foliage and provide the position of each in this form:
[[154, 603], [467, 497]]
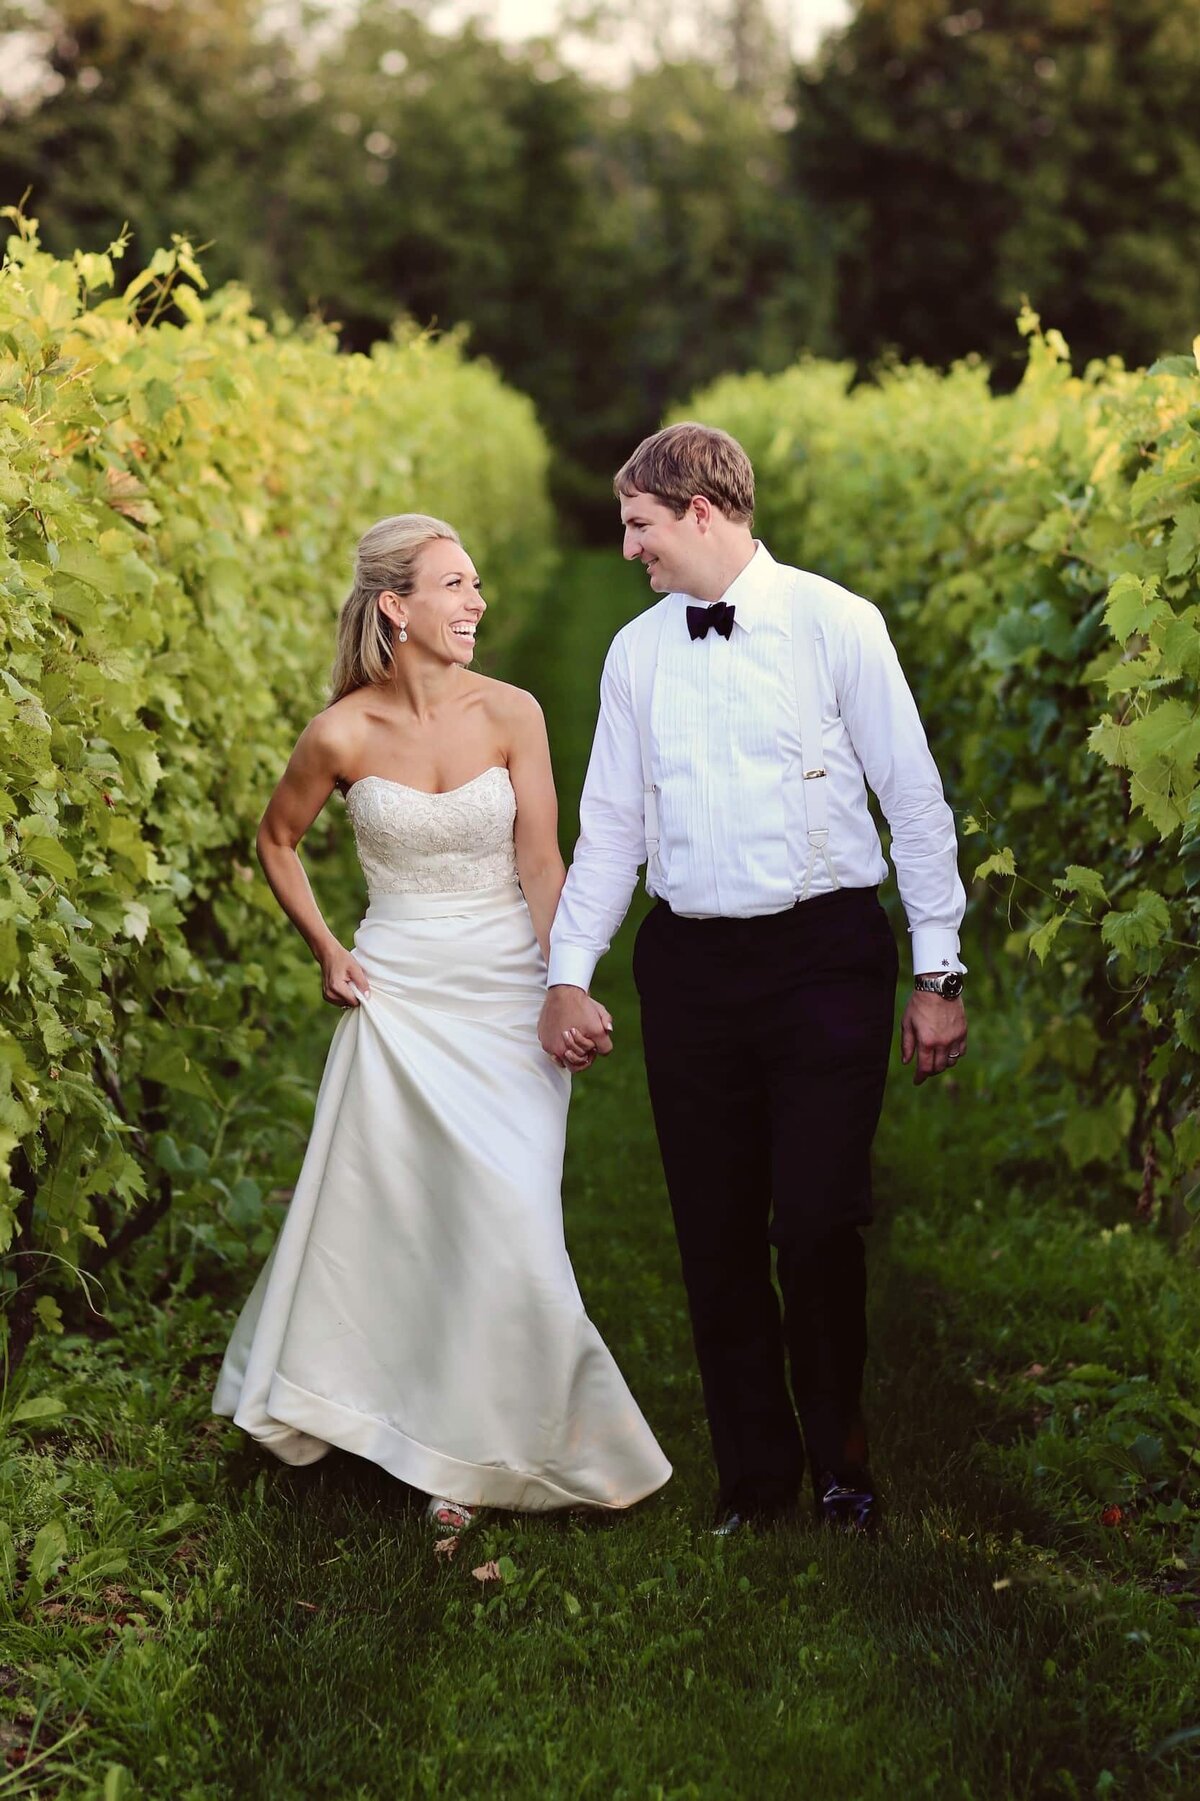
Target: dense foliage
[[181, 492], [608, 248], [614, 243], [1038, 558], [967, 156]]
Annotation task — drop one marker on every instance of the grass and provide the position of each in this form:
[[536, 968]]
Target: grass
[[201, 1623]]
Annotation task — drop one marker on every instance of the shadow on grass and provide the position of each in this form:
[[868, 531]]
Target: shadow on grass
[[929, 1419]]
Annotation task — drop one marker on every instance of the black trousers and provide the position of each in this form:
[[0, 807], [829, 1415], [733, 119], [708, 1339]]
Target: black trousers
[[767, 1043]]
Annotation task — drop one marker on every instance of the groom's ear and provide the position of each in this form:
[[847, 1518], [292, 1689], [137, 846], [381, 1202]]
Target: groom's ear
[[701, 509]]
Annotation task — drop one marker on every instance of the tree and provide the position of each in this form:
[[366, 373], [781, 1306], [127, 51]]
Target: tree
[[963, 158], [742, 41], [607, 249], [155, 116], [724, 269]]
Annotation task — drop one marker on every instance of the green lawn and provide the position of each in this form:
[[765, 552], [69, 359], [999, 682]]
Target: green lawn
[[245, 1630]]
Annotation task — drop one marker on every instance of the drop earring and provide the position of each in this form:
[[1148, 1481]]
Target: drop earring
[[402, 634]]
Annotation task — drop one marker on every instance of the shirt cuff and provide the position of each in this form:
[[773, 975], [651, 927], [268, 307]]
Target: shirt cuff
[[935, 950], [571, 964]]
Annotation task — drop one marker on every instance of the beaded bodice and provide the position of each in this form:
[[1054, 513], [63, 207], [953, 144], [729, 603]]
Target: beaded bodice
[[410, 842]]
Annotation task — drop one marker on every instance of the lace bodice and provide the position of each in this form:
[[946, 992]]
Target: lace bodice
[[410, 842]]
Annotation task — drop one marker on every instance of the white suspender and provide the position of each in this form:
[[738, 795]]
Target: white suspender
[[812, 756], [641, 695], [643, 665]]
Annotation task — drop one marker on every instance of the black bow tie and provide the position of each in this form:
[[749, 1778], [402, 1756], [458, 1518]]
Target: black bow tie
[[719, 616]]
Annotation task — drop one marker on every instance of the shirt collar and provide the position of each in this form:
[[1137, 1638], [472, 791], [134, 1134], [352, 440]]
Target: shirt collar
[[751, 593]]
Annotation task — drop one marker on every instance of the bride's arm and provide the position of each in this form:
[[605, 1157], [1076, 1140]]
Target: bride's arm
[[539, 860], [540, 868], [304, 787]]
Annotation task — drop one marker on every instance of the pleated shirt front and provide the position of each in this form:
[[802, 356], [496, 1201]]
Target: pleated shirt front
[[726, 759]]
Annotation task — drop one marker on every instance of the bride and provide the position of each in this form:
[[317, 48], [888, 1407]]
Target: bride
[[419, 1308]]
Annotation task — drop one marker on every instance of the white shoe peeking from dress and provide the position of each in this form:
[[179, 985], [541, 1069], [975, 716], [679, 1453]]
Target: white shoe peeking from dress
[[450, 1516]]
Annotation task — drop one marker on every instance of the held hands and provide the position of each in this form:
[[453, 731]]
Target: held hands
[[343, 982], [935, 1032], [574, 1029]]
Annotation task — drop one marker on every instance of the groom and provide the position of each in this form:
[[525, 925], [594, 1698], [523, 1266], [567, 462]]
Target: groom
[[741, 721]]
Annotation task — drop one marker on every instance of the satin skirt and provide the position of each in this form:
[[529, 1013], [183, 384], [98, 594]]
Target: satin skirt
[[419, 1308]]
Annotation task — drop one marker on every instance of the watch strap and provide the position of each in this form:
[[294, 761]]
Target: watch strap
[[933, 984]]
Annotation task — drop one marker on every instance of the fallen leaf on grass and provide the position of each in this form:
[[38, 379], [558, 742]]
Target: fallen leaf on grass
[[488, 1572], [1034, 1371], [1111, 1516], [310, 1605], [446, 1547]]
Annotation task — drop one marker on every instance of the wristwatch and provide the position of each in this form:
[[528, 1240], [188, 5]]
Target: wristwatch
[[949, 986]]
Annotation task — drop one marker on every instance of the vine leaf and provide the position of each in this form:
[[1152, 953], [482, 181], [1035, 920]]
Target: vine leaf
[[1086, 883], [1134, 606], [1041, 940], [1139, 927], [1001, 862]]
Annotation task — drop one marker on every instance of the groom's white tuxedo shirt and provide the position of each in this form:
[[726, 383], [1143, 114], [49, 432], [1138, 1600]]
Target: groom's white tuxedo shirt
[[725, 756]]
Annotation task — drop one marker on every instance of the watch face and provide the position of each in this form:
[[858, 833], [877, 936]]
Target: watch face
[[952, 985]]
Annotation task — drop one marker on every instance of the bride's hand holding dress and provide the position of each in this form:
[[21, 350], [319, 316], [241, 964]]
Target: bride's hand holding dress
[[419, 1307]]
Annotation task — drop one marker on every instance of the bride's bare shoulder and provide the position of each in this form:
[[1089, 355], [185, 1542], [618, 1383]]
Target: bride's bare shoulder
[[508, 704], [332, 736]]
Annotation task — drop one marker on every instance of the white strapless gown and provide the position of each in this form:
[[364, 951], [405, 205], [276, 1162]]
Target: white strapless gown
[[419, 1307]]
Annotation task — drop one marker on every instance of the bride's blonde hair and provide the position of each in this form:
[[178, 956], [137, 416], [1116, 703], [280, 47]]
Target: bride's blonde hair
[[386, 557]]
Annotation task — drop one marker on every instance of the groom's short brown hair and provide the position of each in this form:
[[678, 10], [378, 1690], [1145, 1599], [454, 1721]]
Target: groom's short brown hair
[[688, 459]]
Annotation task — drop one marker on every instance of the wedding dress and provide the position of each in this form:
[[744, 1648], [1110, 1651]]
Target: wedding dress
[[419, 1308]]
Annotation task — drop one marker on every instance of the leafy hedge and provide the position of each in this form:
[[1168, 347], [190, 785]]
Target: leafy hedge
[[181, 488], [1038, 558]]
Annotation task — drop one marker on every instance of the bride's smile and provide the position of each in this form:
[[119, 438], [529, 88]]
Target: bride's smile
[[436, 621]]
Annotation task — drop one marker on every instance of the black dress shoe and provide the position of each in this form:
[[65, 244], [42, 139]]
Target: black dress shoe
[[848, 1503], [746, 1517]]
